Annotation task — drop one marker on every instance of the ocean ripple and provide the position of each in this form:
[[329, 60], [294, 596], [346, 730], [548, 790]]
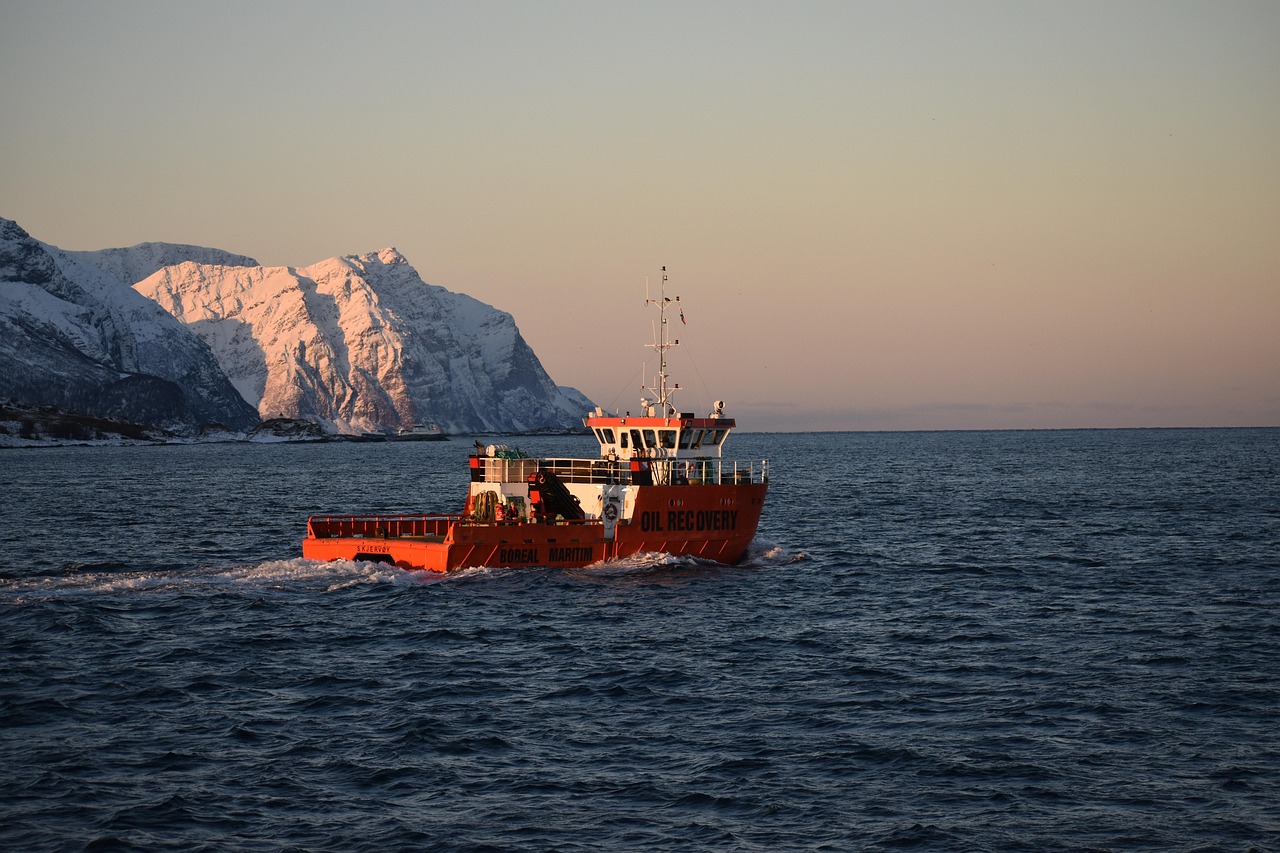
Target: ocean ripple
[[1004, 642]]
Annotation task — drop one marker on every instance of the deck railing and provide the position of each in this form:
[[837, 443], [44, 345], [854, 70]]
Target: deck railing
[[667, 471], [378, 526]]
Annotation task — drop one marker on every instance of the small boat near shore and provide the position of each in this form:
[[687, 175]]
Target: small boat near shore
[[419, 432], [659, 483]]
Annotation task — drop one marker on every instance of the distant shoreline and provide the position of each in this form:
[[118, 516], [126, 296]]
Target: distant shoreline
[[25, 425]]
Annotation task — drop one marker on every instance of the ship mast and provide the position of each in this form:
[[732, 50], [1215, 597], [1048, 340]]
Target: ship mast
[[661, 404]]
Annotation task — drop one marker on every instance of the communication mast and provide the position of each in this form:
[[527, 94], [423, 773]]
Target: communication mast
[[661, 405]]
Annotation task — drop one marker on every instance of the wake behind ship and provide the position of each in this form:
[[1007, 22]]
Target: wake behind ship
[[659, 483]]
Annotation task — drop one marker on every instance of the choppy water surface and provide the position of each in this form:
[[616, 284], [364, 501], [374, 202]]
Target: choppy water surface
[[942, 641]]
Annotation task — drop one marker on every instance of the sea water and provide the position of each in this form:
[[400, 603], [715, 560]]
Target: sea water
[[1006, 641]]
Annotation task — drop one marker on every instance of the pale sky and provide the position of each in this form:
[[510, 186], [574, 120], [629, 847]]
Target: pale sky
[[897, 215]]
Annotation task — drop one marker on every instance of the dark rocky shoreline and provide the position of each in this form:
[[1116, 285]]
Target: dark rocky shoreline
[[28, 425]]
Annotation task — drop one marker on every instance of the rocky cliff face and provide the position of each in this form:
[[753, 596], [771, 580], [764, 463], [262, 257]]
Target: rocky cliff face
[[362, 343], [75, 336]]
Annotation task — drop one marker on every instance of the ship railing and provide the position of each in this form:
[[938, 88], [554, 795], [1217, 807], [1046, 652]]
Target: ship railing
[[495, 469], [379, 526], [709, 471], [662, 471], [498, 469]]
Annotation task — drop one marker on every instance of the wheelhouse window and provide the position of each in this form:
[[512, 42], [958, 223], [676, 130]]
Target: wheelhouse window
[[668, 438]]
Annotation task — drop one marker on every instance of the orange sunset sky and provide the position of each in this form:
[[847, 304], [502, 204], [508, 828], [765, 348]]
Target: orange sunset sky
[[898, 215]]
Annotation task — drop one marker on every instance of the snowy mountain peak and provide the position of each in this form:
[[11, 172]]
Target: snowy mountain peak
[[390, 256], [361, 343]]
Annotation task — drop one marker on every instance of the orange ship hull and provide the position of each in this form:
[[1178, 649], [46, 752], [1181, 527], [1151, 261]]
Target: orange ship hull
[[711, 522]]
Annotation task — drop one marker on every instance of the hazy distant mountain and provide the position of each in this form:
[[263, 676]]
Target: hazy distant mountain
[[137, 262], [362, 343], [74, 335]]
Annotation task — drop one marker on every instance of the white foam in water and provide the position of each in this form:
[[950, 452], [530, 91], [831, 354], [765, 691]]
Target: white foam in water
[[294, 573], [301, 574], [92, 582], [645, 561], [767, 553], [334, 575]]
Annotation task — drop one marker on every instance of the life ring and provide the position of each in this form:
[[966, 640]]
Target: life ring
[[611, 512]]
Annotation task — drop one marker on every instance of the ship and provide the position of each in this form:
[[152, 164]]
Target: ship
[[659, 483], [420, 432]]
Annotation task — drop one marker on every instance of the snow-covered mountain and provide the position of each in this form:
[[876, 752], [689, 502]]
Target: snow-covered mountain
[[74, 335], [137, 262], [357, 344], [362, 343]]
